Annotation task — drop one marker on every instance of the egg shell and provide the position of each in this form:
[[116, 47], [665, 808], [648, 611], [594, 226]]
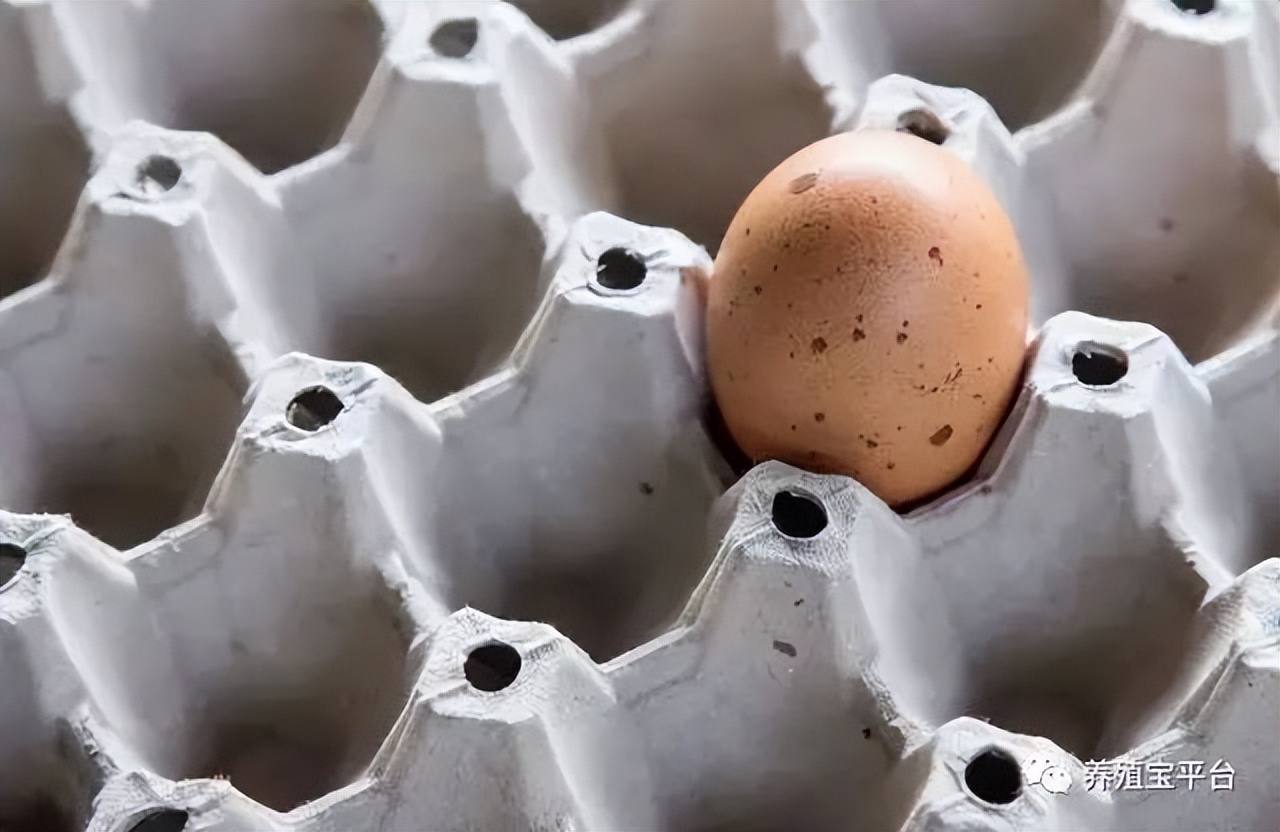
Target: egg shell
[[867, 314]]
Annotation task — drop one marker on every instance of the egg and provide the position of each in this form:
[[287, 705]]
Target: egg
[[867, 315]]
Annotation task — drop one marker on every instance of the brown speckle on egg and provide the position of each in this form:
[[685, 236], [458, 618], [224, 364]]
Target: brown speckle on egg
[[847, 258]]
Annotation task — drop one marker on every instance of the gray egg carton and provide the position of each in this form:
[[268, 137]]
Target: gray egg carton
[[360, 471]]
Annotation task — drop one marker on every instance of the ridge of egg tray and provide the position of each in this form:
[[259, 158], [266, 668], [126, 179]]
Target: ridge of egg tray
[[354, 463], [868, 314]]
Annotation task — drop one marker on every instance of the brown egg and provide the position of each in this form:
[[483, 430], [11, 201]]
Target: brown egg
[[868, 314]]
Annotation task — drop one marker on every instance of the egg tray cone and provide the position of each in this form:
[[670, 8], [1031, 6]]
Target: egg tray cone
[[353, 441]]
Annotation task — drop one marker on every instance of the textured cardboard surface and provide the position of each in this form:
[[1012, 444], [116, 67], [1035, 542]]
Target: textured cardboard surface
[[354, 449]]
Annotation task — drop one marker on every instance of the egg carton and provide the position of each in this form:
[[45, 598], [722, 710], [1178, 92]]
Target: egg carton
[[360, 471]]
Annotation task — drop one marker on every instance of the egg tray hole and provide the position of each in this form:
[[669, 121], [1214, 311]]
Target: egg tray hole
[[12, 558], [1099, 365], [798, 515], [924, 124], [620, 270], [455, 38], [492, 667], [162, 820], [158, 174], [313, 409], [994, 776]]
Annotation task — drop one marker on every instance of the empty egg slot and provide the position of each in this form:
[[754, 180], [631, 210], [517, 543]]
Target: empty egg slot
[[616, 589], [605, 555], [818, 807], [128, 444], [1244, 393], [1204, 272], [276, 81], [47, 784], [567, 19], [286, 735], [446, 310], [825, 796], [1026, 59], [1188, 238], [1100, 644], [280, 664], [44, 163], [620, 600], [691, 134]]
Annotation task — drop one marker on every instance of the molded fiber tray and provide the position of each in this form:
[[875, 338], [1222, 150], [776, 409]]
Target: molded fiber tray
[[355, 448]]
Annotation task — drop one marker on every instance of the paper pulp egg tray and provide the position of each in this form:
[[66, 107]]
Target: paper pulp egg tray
[[359, 466]]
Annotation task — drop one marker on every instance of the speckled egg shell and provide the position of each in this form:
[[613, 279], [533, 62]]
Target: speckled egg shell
[[868, 314]]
